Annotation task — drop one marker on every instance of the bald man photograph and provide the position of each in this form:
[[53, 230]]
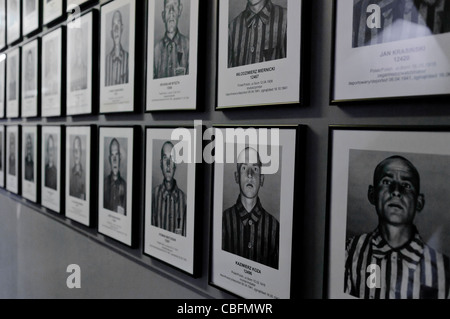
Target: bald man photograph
[[248, 230], [408, 267], [168, 200], [117, 72], [115, 187]]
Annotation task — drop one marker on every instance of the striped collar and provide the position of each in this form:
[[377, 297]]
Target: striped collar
[[265, 13], [176, 39], [411, 252], [245, 216], [173, 193]]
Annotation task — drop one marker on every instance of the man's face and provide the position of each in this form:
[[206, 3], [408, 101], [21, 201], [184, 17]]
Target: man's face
[[395, 194], [114, 158], [248, 175], [167, 163], [171, 14], [29, 146], [77, 151], [50, 151], [117, 28]]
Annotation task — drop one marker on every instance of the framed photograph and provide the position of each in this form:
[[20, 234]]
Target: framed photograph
[[116, 180], [2, 24], [259, 59], [79, 65], [53, 9], [30, 156], [117, 56], [390, 49], [173, 49], [2, 85], [2, 156], [171, 192], [388, 230], [30, 76], [51, 73], [30, 16], [254, 209], [13, 21], [13, 158], [51, 149], [13, 83], [79, 183]]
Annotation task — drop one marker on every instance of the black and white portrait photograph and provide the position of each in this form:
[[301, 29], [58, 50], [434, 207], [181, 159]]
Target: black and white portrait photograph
[[2, 85], [12, 158], [377, 21], [52, 10], [388, 226], [30, 79], [30, 16], [13, 20], [2, 156], [117, 56], [253, 212], [171, 50], [170, 199], [391, 49], [29, 162], [2, 23], [13, 84], [257, 31], [259, 52], [115, 182], [79, 65], [78, 173], [51, 167], [51, 73], [172, 46]]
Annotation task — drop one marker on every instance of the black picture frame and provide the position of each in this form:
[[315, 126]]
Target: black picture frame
[[355, 153], [2, 156], [52, 194], [54, 12], [13, 175], [253, 86], [292, 142], [31, 188], [187, 86], [193, 202], [379, 80], [36, 16], [16, 28], [110, 101], [75, 208], [54, 112], [133, 200], [92, 72]]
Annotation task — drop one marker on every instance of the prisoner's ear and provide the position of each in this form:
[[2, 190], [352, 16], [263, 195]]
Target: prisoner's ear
[[261, 183], [163, 16], [236, 177], [180, 9], [420, 204], [371, 195]]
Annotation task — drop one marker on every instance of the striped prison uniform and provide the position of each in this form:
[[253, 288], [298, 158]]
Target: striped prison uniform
[[413, 271], [171, 57], [257, 37], [253, 235], [116, 71], [400, 20], [169, 209]]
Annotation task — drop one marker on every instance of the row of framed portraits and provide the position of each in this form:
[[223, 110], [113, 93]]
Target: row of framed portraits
[[381, 50], [387, 234], [259, 66], [94, 176]]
